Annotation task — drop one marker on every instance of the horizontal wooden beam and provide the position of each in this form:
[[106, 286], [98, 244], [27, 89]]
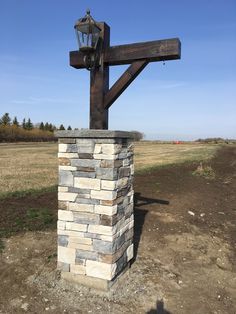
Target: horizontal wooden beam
[[123, 82], [158, 50]]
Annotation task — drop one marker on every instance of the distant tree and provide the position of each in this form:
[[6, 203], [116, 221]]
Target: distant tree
[[24, 124], [138, 136], [41, 126], [15, 122], [69, 128], [61, 127], [46, 126], [29, 125], [50, 127], [5, 119]]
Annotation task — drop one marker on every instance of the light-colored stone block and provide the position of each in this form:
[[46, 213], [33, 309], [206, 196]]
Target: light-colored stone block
[[130, 252], [111, 149], [83, 247], [105, 210], [87, 183], [99, 229], [108, 185], [66, 255], [62, 148], [88, 208], [67, 155], [104, 195], [67, 168], [65, 215], [77, 269], [97, 149], [104, 156], [122, 182], [62, 189], [76, 227], [107, 238], [61, 225], [71, 233], [65, 178], [132, 169], [66, 196], [100, 270], [91, 282], [86, 241]]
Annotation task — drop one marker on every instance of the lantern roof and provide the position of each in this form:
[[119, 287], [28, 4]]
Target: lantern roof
[[87, 20]]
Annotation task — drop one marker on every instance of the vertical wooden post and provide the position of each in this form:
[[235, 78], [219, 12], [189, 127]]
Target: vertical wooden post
[[99, 85]]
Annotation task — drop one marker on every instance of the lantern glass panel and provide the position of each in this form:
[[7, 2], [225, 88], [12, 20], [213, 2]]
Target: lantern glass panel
[[88, 36]]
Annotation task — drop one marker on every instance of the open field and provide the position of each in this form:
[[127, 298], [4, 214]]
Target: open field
[[26, 166], [184, 238], [151, 154]]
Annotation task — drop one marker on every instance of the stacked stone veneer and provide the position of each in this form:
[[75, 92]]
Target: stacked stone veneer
[[95, 194]]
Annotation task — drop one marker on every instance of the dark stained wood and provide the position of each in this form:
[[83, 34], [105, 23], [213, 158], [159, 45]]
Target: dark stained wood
[[99, 85], [123, 82], [158, 50]]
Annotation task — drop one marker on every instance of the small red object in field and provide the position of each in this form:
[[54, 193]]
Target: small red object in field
[[177, 142]]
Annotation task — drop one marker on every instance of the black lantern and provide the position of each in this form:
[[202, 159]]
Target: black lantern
[[88, 33]]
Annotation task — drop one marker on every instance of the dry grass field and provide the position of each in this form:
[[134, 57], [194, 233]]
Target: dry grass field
[[151, 154], [26, 166]]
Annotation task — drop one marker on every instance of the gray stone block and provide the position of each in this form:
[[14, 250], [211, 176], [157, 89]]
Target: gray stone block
[[63, 266], [71, 148], [89, 163], [124, 172], [91, 201], [65, 178], [111, 163], [89, 219], [87, 133], [79, 191], [121, 263], [107, 173], [103, 246], [85, 156], [81, 254], [62, 240], [129, 234], [85, 149], [83, 174], [92, 235], [67, 141], [119, 242]]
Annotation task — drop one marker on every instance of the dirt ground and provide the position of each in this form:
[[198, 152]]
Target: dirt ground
[[185, 243]]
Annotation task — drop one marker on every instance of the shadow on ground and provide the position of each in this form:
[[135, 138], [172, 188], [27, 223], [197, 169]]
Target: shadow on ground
[[139, 216], [159, 309]]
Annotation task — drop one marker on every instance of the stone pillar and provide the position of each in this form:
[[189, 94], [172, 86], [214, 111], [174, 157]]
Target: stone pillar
[[95, 205]]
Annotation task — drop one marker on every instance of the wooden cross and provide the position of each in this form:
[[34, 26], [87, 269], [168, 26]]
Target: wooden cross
[[138, 55]]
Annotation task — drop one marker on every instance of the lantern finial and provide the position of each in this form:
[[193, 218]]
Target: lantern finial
[[88, 11]]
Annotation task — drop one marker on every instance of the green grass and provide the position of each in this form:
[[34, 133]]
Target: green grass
[[23, 193], [43, 215], [204, 171]]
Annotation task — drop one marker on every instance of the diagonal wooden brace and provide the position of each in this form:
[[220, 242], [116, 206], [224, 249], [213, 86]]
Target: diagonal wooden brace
[[123, 82]]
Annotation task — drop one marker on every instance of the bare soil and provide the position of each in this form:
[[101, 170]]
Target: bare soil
[[185, 244]]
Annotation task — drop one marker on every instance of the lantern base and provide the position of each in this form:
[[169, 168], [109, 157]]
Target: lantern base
[[87, 50]]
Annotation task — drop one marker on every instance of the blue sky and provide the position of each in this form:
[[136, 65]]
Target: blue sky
[[183, 99]]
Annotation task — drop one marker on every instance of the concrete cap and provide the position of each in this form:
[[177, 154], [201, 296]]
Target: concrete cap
[[87, 133]]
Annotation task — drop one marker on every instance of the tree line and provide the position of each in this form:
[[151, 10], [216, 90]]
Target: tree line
[[11, 130]]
